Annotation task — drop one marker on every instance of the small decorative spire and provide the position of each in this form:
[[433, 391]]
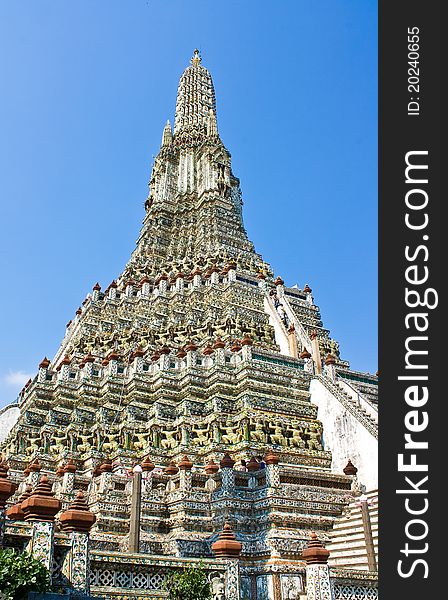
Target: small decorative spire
[[147, 465], [219, 344], [106, 466], [171, 469], [41, 505], [253, 465], [212, 126], [167, 135], [208, 350], [44, 364], [271, 458], [35, 465], [77, 517], [15, 512], [7, 487], [227, 461], [315, 553], [246, 341], [70, 466], [196, 58], [185, 464], [330, 359], [350, 468], [211, 467], [227, 546]]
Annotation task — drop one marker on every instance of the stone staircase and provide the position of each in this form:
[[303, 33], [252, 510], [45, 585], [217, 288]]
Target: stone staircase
[[348, 547], [351, 404]]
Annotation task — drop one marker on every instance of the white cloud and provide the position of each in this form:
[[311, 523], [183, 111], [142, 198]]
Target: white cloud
[[16, 378]]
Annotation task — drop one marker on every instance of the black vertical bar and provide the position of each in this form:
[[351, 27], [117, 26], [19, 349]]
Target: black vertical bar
[[411, 119]]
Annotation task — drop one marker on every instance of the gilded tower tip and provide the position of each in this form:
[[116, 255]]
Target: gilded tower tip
[[196, 58]]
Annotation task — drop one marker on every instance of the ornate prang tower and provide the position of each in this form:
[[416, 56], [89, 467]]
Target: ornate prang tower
[[194, 359]]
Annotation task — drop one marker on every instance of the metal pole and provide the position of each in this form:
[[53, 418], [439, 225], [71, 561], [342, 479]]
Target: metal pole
[[136, 502], [371, 559]]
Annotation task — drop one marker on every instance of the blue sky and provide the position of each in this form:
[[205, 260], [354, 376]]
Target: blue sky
[[87, 87]]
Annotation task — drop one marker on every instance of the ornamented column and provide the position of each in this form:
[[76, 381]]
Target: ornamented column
[[78, 520], [308, 290], [15, 512], [227, 546], [137, 360], [147, 467], [280, 285], [63, 369], [318, 585], [162, 282], [309, 364], [231, 273], [34, 470], [220, 357], [227, 474], [164, 360], [145, 289], [246, 347], [41, 508], [330, 367], [185, 467], [68, 479], [96, 292], [316, 351], [180, 282], [191, 349], [87, 366], [197, 278], [272, 469], [262, 281], [105, 477], [43, 370], [129, 288], [7, 489], [112, 290], [292, 341]]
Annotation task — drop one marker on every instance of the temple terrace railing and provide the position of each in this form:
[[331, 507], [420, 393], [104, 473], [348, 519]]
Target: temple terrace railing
[[116, 575]]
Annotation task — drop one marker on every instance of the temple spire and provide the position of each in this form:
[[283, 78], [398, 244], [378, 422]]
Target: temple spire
[[195, 98], [167, 135]]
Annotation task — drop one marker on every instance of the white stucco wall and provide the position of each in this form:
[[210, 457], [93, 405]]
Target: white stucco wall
[[345, 437], [8, 417]]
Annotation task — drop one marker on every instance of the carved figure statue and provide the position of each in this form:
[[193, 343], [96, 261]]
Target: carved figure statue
[[142, 442], [169, 440], [259, 434], [297, 441], [314, 441], [57, 446], [85, 445], [231, 435], [277, 437], [112, 444], [32, 446], [201, 437], [218, 589]]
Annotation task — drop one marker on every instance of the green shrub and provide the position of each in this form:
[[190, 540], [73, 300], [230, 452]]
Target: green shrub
[[188, 584], [21, 573]]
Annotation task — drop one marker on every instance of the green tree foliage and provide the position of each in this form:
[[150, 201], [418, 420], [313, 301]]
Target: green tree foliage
[[189, 583], [20, 573]]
